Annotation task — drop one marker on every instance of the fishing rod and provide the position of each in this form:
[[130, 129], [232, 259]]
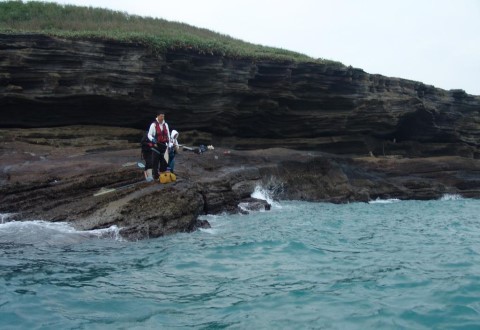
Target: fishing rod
[[105, 190]]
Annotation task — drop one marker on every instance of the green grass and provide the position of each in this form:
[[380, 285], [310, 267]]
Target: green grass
[[160, 35]]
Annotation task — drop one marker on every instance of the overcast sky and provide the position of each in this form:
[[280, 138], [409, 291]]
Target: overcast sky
[[436, 42]]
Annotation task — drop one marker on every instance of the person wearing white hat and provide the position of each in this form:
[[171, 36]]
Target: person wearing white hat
[[173, 150]]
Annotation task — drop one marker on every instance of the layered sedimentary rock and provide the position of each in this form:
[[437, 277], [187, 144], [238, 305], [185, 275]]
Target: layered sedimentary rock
[[243, 104], [80, 175], [346, 135]]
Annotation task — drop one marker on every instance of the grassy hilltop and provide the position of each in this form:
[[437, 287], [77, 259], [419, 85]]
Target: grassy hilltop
[[161, 35]]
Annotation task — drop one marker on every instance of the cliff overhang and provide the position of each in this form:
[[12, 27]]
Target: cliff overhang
[[49, 81]]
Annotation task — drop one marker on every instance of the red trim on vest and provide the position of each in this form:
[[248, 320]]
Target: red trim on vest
[[162, 135]]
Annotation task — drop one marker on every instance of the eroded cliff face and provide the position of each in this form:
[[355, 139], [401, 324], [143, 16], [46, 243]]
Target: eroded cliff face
[[46, 81]]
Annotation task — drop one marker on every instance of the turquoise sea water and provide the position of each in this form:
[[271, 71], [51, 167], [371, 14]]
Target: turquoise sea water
[[383, 265]]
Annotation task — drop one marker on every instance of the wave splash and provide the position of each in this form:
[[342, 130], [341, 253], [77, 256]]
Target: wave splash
[[39, 232], [266, 195], [451, 197]]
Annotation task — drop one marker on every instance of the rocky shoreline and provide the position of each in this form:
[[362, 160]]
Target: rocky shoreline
[[301, 130], [88, 176]]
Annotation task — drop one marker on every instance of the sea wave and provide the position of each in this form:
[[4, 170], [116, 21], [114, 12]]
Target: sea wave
[[51, 233], [385, 201], [451, 197], [348, 266], [212, 231]]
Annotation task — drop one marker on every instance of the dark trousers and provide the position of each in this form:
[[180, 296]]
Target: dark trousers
[[157, 158], [147, 156]]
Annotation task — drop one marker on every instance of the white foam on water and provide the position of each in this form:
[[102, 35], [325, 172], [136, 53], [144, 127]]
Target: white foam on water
[[384, 201], [216, 222], [212, 231], [39, 231], [451, 197], [112, 232], [213, 219]]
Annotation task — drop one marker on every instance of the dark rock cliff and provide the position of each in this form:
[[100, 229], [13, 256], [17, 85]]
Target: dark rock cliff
[[47, 81]]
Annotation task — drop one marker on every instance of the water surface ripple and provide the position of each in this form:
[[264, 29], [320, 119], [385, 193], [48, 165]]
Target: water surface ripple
[[395, 265]]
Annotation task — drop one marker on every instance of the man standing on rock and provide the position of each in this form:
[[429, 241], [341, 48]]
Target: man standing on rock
[[159, 135]]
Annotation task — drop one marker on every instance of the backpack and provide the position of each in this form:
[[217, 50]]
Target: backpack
[[167, 177]]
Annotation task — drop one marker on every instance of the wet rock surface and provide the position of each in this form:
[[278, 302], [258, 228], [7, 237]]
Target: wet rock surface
[[87, 176], [303, 131]]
